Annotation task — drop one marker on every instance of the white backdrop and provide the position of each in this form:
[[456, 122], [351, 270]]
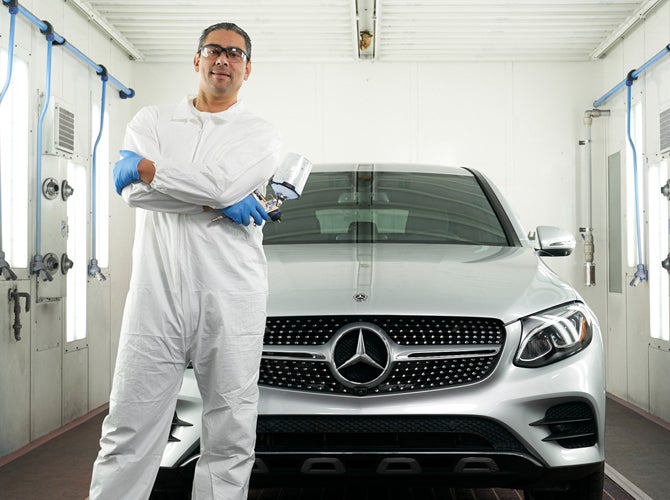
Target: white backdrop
[[518, 123]]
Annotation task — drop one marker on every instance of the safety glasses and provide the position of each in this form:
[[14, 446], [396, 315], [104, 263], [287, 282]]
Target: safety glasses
[[214, 51]]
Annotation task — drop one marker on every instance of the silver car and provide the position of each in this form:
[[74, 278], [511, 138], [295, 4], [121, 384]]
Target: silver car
[[415, 332]]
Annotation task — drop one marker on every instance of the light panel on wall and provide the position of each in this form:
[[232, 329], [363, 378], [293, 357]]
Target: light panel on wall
[[77, 214], [14, 151], [659, 282]]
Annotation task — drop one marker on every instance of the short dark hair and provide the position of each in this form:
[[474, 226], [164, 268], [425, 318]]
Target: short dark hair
[[228, 27]]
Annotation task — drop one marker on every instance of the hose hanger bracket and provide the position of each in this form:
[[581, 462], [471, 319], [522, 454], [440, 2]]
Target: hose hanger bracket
[[50, 34], [124, 95], [630, 78], [12, 5], [104, 76]]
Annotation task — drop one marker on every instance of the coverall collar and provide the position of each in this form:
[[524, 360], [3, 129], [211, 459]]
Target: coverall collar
[[185, 110]]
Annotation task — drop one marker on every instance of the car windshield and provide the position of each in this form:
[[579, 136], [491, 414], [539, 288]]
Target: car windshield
[[388, 207]]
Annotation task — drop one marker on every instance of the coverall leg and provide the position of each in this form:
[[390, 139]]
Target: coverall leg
[[147, 378], [226, 354]]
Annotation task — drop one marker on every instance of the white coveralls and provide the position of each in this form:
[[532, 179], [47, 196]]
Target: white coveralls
[[197, 292]]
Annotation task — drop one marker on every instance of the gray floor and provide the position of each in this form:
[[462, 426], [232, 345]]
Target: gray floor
[[637, 449]]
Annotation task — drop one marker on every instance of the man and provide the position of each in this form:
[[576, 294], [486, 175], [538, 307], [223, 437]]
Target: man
[[198, 288]]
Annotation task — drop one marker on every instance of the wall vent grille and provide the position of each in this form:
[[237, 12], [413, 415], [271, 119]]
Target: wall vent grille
[[64, 133]]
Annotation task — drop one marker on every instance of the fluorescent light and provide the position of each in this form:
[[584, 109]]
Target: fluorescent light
[[659, 282], [77, 213], [14, 154]]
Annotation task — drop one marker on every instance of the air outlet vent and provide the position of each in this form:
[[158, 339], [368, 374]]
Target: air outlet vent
[[665, 131], [64, 136], [59, 130]]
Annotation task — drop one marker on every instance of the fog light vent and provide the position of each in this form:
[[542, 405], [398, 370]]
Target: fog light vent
[[571, 425]]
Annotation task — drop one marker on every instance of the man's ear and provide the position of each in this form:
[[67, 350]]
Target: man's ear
[[196, 62], [247, 70]]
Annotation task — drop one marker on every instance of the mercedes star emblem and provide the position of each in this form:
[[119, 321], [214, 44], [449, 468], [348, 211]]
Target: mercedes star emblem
[[360, 355]]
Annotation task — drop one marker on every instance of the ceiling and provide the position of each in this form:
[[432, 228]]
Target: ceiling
[[403, 30]]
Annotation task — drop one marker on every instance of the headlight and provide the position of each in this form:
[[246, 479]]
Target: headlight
[[553, 335]]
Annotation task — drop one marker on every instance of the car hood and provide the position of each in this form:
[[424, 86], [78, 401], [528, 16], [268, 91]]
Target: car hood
[[507, 283]]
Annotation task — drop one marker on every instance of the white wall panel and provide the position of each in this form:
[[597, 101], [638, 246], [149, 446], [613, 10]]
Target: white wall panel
[[462, 112], [659, 369], [75, 384], [48, 388], [99, 327], [14, 372], [519, 123]]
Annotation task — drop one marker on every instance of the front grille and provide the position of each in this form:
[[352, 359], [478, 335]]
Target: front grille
[[472, 348], [571, 425], [375, 433], [404, 330]]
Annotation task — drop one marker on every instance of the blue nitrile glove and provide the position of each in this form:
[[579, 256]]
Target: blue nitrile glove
[[125, 170], [246, 209]]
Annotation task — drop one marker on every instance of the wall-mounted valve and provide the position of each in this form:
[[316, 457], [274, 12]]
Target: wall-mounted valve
[[66, 190], [95, 271], [5, 270], [15, 296], [51, 262], [50, 188], [38, 267], [65, 263], [665, 189]]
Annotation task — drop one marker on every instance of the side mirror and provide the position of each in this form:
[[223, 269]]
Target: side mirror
[[554, 241]]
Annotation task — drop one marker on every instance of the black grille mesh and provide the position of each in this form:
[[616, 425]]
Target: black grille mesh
[[404, 330], [572, 425], [380, 431], [404, 376]]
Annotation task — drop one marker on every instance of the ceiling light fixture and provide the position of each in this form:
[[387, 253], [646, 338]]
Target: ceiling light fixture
[[366, 21]]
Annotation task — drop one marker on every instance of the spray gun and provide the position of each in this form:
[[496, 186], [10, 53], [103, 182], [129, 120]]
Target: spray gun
[[287, 183]]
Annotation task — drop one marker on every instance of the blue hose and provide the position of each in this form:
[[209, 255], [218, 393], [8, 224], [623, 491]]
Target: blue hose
[[40, 126], [94, 165], [124, 92], [93, 268], [641, 272], [10, 50]]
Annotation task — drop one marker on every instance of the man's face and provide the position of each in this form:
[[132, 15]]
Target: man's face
[[218, 75]]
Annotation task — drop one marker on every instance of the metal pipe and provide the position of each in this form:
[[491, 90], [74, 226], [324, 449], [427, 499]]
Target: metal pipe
[[124, 92], [37, 266], [587, 230], [633, 74]]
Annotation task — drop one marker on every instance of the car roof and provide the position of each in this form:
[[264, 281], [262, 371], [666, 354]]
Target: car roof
[[390, 167]]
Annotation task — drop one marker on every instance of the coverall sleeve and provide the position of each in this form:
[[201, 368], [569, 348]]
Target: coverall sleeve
[[238, 157], [209, 185], [141, 195], [141, 137]]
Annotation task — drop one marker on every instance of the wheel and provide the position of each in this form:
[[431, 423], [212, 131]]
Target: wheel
[[587, 488]]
